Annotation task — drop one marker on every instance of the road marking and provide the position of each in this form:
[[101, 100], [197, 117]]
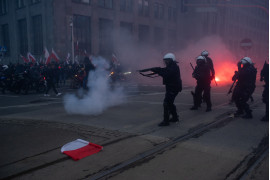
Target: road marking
[[8, 96], [158, 103], [29, 105]]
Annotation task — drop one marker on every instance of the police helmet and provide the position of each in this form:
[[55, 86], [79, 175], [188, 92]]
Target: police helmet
[[169, 56], [204, 53], [246, 60], [201, 59]]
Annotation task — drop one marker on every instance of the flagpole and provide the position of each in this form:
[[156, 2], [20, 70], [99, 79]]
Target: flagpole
[[72, 39]]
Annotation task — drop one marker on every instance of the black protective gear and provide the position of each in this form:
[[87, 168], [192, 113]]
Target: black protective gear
[[210, 64], [202, 75], [244, 88], [172, 80], [265, 94]]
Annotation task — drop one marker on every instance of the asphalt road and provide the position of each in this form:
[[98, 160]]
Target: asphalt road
[[34, 127]]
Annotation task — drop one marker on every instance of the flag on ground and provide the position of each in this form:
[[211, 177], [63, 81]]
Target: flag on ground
[[79, 149]]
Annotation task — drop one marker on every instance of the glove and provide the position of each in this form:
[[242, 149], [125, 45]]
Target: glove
[[156, 70]]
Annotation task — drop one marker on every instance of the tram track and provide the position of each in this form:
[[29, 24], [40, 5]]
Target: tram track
[[192, 133], [220, 121]]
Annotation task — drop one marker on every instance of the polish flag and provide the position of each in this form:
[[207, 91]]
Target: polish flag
[[79, 149], [47, 56], [85, 53], [24, 59], [68, 58], [114, 58], [31, 57], [55, 56]]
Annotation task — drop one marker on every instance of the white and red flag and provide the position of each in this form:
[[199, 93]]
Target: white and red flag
[[24, 59], [85, 53], [31, 57], [47, 56], [79, 149], [68, 58], [55, 56], [114, 58]]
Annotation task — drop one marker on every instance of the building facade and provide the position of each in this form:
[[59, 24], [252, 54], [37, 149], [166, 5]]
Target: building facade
[[102, 27], [233, 21], [94, 26]]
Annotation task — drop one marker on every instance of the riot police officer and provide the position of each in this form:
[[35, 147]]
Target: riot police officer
[[265, 95], [173, 83], [245, 86], [209, 62], [202, 74]]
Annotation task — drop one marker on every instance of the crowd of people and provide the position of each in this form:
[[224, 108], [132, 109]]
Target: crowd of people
[[40, 77]]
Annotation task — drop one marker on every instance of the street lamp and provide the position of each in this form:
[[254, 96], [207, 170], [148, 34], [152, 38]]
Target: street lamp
[[72, 39]]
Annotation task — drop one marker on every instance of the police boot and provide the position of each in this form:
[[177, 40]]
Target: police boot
[[208, 109], [166, 115], [238, 113], [194, 108], [164, 123], [174, 119], [265, 118], [248, 115]]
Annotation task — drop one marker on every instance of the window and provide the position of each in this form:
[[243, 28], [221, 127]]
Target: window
[[172, 38], [126, 27], [161, 11], [183, 6], [158, 11], [20, 4], [158, 35], [5, 38], [37, 34], [82, 1], [35, 1], [126, 5], [174, 14], [82, 33], [105, 4], [22, 36], [3, 7], [169, 13], [144, 33], [105, 36], [143, 8]]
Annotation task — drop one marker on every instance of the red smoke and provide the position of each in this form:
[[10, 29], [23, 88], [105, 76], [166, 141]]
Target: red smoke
[[224, 71]]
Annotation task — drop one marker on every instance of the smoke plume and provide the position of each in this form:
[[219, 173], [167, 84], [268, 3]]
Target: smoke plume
[[101, 94]]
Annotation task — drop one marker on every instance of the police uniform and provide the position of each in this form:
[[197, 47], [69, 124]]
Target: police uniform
[[265, 94], [202, 74], [244, 88], [173, 83]]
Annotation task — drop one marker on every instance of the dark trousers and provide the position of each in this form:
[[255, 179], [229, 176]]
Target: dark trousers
[[265, 99], [205, 89], [168, 105], [50, 84], [241, 97]]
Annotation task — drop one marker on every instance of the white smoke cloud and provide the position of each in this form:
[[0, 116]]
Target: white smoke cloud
[[101, 94]]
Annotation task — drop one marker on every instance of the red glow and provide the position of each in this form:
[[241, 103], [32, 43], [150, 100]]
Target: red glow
[[224, 72]]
